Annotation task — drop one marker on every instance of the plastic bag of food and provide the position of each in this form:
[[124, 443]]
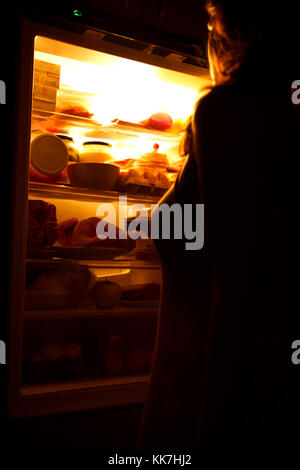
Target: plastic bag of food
[[42, 223]]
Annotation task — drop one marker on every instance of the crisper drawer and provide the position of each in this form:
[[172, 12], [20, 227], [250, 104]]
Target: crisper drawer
[[129, 343], [60, 346]]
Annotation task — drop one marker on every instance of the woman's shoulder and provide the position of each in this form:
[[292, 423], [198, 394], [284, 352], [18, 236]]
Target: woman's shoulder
[[228, 103], [220, 94], [214, 103]]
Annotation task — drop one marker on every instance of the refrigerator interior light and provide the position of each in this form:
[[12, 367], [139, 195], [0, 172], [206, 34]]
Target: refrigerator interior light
[[123, 88]]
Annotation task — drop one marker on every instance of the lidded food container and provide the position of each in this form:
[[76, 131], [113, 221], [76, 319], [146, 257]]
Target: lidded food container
[[48, 157], [95, 151], [69, 142]]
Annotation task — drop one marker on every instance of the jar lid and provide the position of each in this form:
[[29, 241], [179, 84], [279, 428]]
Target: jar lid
[[65, 137], [96, 142], [48, 154]]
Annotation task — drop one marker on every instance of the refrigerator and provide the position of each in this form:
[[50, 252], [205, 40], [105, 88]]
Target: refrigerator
[[99, 123]]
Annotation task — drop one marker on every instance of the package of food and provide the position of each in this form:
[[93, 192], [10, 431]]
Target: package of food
[[44, 93], [46, 73], [153, 160], [75, 102], [51, 286], [42, 224], [43, 105], [161, 121], [83, 233]]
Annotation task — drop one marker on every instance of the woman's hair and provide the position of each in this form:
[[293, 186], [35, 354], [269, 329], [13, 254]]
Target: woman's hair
[[253, 35], [248, 38]]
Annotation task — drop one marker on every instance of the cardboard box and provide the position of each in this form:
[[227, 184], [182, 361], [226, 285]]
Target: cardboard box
[[46, 73], [43, 105], [44, 93]]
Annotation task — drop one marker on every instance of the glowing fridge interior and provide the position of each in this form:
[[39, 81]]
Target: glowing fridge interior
[[103, 137]]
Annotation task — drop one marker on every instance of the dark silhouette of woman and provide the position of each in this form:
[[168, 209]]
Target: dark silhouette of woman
[[222, 369]]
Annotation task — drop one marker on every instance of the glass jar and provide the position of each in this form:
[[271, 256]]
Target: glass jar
[[72, 151], [95, 151]]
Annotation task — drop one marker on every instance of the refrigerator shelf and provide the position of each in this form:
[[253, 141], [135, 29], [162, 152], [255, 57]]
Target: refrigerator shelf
[[78, 395], [95, 129], [29, 390], [92, 313], [120, 262], [63, 191]]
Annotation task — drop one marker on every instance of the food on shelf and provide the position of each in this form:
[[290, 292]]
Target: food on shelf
[[161, 121], [57, 130], [72, 351], [125, 164], [148, 174], [178, 126], [133, 180], [69, 143], [114, 362], [46, 77], [31, 355], [106, 294], [94, 151], [48, 157], [139, 292], [53, 286], [153, 159], [116, 340], [67, 278], [46, 73], [162, 180], [99, 176], [52, 352], [132, 175], [83, 233], [42, 224], [75, 102], [135, 360], [75, 110], [44, 97]]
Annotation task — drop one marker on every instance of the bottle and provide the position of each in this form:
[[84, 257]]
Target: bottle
[[48, 157]]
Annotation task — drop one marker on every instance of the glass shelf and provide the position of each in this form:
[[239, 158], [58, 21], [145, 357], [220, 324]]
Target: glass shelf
[[28, 390], [91, 313], [124, 262], [116, 128], [62, 191]]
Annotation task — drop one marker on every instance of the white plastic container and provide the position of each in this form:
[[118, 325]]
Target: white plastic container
[[96, 152], [48, 157]]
